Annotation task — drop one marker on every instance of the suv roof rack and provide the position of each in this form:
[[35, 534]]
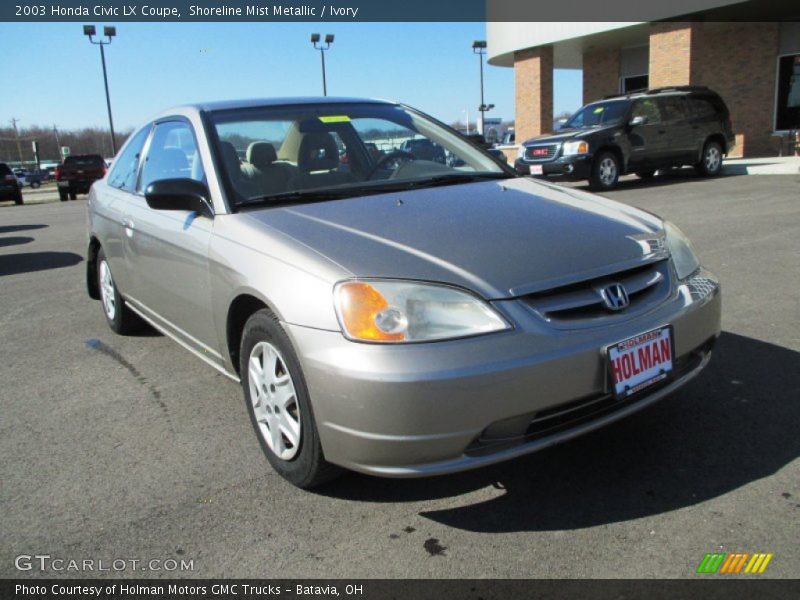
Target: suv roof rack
[[660, 90], [679, 88]]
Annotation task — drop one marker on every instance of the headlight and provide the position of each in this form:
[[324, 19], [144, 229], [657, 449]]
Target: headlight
[[680, 248], [572, 148], [403, 311]]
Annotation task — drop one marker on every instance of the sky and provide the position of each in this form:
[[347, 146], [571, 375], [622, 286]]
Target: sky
[[152, 66]]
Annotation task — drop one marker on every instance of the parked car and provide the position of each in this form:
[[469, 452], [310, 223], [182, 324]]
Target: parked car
[[635, 133], [424, 149], [10, 189], [401, 318], [77, 174], [28, 178]]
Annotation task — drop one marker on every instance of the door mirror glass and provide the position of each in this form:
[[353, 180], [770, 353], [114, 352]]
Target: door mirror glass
[[179, 194]]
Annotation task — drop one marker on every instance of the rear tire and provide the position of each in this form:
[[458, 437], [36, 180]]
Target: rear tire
[[63, 195], [73, 195], [710, 164], [605, 172], [120, 318], [18, 199], [35, 185], [278, 403]]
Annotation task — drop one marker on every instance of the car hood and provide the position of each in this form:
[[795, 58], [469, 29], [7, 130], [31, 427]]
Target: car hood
[[565, 135], [499, 238]]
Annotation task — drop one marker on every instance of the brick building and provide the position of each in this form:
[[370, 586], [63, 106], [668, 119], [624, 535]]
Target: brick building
[[754, 66]]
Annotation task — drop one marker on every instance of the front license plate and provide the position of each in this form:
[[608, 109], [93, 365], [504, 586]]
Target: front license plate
[[63, 184], [537, 170], [640, 361]]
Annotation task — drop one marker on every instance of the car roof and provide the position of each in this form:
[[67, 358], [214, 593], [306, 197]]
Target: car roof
[[288, 101]]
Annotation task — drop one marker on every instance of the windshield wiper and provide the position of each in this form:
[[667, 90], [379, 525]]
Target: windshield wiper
[[321, 195]]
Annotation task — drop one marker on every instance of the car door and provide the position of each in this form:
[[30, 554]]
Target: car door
[[112, 206], [169, 248], [648, 140], [679, 134]]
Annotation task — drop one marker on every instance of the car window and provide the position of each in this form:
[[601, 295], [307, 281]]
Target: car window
[[267, 151], [172, 154], [671, 108], [598, 114], [701, 108], [90, 160], [647, 107], [125, 167]]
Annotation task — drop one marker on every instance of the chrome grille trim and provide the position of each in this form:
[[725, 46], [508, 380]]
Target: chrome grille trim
[[581, 304], [552, 151]]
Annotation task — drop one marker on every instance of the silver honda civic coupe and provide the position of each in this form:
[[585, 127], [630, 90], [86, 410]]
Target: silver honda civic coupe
[[392, 298]]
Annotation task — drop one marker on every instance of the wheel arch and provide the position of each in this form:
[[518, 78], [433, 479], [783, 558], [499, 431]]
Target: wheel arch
[[241, 308], [616, 151], [91, 268]]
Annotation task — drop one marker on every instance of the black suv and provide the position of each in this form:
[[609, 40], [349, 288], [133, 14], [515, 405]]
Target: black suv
[[9, 186], [635, 133]]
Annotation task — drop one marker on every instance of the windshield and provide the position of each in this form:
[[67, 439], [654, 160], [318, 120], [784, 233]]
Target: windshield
[[599, 114], [291, 153]]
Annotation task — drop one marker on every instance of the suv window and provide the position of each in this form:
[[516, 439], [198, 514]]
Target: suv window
[[172, 154], [701, 108], [647, 107], [125, 167], [672, 108]]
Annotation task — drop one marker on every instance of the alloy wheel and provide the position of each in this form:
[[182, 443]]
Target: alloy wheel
[[274, 400], [107, 291]]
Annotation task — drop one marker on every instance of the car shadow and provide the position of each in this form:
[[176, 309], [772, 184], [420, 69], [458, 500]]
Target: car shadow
[[734, 424], [663, 178], [27, 262], [15, 240], [17, 228]]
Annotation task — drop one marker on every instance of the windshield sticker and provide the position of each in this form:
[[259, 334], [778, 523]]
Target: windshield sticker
[[599, 109], [335, 119]]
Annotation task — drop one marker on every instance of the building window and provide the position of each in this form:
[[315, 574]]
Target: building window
[[635, 83], [787, 115]]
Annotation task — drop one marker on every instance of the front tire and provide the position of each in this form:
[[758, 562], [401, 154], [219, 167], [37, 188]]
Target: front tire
[[63, 195], [73, 195], [278, 403], [710, 164], [605, 172], [120, 318], [18, 199], [35, 185]]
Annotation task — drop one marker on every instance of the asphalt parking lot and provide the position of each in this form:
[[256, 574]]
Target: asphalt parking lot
[[129, 447]]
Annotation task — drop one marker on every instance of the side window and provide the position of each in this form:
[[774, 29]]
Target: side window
[[647, 107], [701, 108], [125, 167], [172, 154], [671, 109]]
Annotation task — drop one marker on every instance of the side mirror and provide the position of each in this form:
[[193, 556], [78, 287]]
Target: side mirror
[[179, 194], [640, 120]]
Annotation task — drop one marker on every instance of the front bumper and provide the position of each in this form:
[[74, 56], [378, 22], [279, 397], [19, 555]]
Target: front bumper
[[426, 409], [572, 168]]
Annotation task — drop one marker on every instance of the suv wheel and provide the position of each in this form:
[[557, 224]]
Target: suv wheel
[[120, 318], [35, 184], [73, 195], [605, 171], [18, 199], [63, 195], [277, 400], [711, 162]]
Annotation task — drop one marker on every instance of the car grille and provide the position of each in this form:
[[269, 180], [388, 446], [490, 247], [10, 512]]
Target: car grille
[[541, 152], [581, 305]]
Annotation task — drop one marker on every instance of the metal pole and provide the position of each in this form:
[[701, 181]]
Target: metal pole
[[324, 82], [16, 135], [108, 102], [483, 106], [58, 141]]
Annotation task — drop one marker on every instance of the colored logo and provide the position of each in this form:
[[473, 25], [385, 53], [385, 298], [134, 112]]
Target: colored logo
[[735, 563]]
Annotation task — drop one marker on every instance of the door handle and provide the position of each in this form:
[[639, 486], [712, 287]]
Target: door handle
[[129, 226]]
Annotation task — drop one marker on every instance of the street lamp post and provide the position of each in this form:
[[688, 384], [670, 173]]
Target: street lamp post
[[315, 39], [479, 48], [110, 32]]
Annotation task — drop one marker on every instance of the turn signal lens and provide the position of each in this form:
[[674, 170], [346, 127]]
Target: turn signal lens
[[366, 314]]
